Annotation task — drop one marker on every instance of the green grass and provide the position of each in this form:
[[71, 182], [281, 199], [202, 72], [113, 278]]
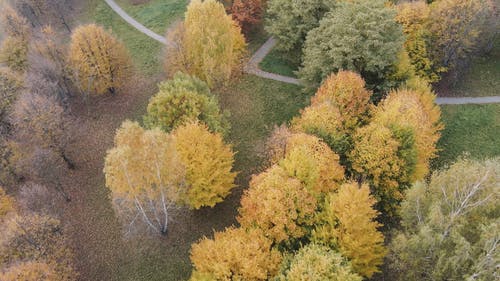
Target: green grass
[[276, 62], [472, 129], [156, 15], [482, 79]]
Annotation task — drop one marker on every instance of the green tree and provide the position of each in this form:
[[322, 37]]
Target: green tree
[[290, 21], [315, 262], [361, 36], [182, 100], [450, 225]]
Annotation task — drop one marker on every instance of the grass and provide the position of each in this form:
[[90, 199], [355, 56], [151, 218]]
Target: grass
[[277, 62], [156, 15], [482, 79], [472, 129]]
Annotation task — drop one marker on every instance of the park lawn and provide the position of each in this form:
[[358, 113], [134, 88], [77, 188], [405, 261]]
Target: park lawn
[[472, 129], [483, 77], [277, 62], [156, 15]]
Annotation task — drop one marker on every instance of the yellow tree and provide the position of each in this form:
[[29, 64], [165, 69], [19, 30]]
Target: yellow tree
[[36, 238], [413, 16], [386, 159], [100, 62], [6, 204], [235, 254], [418, 111], [14, 48], [208, 162], [208, 45], [278, 204], [346, 91], [311, 161], [145, 176], [348, 223]]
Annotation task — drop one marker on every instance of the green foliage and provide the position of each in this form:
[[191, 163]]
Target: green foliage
[[290, 21], [14, 53], [182, 100], [450, 226], [315, 262], [10, 86], [361, 36]]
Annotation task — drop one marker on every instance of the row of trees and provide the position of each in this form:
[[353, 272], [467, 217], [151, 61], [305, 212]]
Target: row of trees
[[179, 160], [368, 37], [341, 160]]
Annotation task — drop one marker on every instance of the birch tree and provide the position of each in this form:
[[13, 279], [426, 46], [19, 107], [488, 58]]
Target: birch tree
[[145, 176]]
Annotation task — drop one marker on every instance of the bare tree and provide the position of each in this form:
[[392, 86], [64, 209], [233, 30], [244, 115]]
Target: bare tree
[[46, 12], [35, 197]]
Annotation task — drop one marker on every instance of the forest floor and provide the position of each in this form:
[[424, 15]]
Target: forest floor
[[256, 106]]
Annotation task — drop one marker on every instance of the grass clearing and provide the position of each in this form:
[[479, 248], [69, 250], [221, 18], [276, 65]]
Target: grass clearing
[[473, 129], [277, 62], [482, 79], [156, 15]]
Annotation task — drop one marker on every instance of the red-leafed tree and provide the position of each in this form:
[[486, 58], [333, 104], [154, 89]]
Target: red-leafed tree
[[247, 13]]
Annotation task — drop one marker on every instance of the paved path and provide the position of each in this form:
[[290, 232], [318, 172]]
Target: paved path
[[135, 23], [252, 66], [468, 100]]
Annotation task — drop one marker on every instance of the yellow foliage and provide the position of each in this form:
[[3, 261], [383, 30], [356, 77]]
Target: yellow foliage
[[345, 91], [210, 44], [143, 165], [278, 204], [235, 254], [30, 271], [100, 62], [417, 110], [349, 224], [375, 155], [311, 161], [208, 161], [6, 204]]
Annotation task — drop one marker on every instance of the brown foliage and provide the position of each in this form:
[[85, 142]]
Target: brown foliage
[[247, 13]]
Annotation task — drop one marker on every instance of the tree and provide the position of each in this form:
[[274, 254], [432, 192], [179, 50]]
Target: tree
[[6, 204], [235, 254], [290, 21], [413, 16], [10, 87], [458, 33], [36, 238], [416, 110], [36, 198], [48, 12], [182, 100], [99, 61], [14, 48], [324, 121], [30, 271], [449, 226], [208, 45], [346, 91], [277, 204], [313, 163], [247, 13], [386, 158], [40, 121], [208, 162], [361, 36], [315, 262], [348, 223], [145, 176]]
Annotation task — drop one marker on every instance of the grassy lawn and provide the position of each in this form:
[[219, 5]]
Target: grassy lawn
[[469, 128], [156, 15], [276, 62], [482, 79]]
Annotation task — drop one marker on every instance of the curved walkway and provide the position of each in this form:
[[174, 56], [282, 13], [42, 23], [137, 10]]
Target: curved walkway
[[252, 66]]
